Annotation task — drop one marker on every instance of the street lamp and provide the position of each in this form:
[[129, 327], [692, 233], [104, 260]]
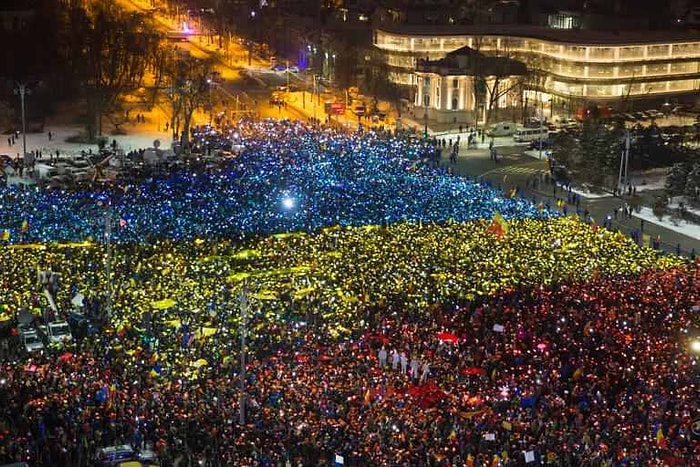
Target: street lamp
[[23, 91]]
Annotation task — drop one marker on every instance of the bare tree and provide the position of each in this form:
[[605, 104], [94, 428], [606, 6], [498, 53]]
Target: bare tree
[[117, 50], [189, 89], [497, 74]]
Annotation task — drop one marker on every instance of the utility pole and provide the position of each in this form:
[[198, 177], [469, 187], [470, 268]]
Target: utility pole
[[243, 305], [23, 91], [624, 162]]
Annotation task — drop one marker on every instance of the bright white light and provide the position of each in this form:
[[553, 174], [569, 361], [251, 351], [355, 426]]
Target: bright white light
[[695, 345], [288, 202]]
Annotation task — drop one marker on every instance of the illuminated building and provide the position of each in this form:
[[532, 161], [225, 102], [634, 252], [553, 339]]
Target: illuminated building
[[564, 65]]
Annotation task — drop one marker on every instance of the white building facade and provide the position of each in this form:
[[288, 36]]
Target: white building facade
[[587, 65]]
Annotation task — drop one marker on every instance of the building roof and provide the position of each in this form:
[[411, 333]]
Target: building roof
[[573, 36], [469, 62]]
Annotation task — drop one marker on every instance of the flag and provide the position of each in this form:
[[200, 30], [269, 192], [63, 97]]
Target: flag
[[5, 235], [660, 438], [452, 435], [368, 397], [498, 226], [512, 193], [25, 226]]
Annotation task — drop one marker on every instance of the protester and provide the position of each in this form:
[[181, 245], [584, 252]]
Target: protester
[[526, 336]]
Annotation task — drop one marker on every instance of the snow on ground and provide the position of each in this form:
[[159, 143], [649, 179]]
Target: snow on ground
[[682, 227]]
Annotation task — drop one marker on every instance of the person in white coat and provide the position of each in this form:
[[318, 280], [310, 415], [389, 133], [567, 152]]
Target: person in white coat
[[382, 357], [425, 371], [415, 363], [395, 359]]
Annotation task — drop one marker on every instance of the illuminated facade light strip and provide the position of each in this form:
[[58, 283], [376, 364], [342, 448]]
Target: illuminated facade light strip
[[593, 71]]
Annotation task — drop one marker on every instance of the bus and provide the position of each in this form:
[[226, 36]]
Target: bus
[[526, 135]]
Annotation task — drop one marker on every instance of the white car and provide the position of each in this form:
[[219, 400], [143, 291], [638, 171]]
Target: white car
[[58, 332], [32, 341]]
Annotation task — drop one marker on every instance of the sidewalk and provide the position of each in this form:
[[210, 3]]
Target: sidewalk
[[138, 135]]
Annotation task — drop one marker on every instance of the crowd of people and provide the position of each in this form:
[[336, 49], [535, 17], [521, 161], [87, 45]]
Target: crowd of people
[[424, 337], [289, 177]]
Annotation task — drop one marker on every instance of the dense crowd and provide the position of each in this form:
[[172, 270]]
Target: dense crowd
[[287, 178], [422, 337]]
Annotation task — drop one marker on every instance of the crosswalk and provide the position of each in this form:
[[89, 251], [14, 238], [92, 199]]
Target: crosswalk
[[517, 170]]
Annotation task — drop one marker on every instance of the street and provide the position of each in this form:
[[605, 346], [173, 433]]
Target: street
[[515, 169]]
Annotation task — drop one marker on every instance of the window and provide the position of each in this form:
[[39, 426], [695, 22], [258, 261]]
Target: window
[[455, 83], [426, 100], [455, 103]]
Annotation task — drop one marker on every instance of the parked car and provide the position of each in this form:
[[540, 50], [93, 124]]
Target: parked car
[[115, 456], [57, 332], [501, 129], [32, 342]]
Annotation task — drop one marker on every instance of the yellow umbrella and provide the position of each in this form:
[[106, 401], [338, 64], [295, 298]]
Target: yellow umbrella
[[200, 363], [173, 323], [164, 304], [265, 295], [30, 246], [85, 244], [288, 235], [239, 276], [246, 254], [206, 332], [301, 293]]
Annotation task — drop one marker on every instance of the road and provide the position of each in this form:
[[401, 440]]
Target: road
[[515, 169]]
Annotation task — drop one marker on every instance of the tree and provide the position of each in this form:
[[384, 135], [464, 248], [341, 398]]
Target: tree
[[118, 51], [189, 89], [593, 154], [676, 181], [692, 185], [496, 75]]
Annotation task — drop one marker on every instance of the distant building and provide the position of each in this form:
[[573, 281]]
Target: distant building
[[568, 64], [465, 83]]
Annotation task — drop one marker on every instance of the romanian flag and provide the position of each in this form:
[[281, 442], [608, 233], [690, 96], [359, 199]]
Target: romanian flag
[[498, 226], [25, 226], [5, 235]]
